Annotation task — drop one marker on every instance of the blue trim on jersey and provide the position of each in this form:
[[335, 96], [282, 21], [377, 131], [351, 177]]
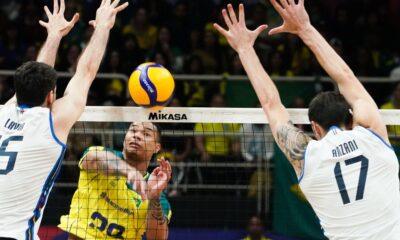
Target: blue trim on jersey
[[387, 144], [333, 128], [48, 185], [304, 166], [24, 106], [52, 132]]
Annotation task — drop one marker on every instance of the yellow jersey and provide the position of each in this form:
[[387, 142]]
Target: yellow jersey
[[106, 207], [217, 144]]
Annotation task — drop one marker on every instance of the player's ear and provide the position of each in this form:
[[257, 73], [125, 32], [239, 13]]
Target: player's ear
[[50, 98], [158, 148], [317, 129]]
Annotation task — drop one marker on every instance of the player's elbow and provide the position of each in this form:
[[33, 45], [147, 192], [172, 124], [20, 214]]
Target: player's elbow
[[89, 162], [270, 102]]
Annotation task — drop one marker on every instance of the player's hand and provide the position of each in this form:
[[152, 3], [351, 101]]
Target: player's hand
[[138, 183], [238, 35], [159, 179], [57, 23], [295, 17], [106, 13]]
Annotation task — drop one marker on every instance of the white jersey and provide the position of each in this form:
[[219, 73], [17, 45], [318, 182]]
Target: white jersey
[[30, 160], [351, 180]]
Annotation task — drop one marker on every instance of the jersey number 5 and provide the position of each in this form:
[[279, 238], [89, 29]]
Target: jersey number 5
[[361, 180], [11, 155]]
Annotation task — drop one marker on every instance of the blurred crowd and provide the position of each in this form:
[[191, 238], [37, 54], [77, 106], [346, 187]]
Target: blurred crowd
[[179, 35]]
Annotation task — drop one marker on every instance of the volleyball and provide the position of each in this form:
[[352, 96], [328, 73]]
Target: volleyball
[[151, 85]]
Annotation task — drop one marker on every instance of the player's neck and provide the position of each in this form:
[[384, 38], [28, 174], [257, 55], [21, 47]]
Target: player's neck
[[141, 166]]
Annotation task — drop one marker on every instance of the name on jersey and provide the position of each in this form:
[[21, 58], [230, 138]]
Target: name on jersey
[[344, 148], [14, 125], [104, 196]]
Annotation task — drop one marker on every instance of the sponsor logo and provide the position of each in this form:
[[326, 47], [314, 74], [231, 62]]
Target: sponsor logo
[[167, 116]]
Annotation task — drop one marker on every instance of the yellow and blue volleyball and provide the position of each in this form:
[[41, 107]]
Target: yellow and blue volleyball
[[151, 85]]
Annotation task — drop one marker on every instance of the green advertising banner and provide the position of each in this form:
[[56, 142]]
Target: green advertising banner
[[292, 214]]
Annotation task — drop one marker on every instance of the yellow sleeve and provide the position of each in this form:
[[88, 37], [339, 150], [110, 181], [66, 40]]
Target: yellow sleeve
[[89, 149]]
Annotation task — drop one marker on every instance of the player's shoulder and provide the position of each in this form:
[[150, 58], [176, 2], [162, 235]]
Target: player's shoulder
[[101, 149]]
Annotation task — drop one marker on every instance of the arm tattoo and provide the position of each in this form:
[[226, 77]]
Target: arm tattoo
[[293, 143], [156, 212]]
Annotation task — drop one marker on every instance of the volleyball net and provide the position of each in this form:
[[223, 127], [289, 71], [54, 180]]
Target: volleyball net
[[226, 169]]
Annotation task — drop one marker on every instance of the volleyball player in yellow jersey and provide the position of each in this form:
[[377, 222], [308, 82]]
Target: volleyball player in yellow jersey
[[116, 197]]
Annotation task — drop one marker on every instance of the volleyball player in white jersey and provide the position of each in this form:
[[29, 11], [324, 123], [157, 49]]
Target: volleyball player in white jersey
[[349, 176], [34, 125]]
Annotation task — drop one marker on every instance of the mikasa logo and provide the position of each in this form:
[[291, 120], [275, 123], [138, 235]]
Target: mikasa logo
[[167, 116]]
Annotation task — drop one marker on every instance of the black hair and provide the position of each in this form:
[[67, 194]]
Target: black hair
[[329, 109], [33, 81], [159, 131]]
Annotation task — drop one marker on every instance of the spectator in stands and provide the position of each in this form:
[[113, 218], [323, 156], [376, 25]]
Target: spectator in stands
[[176, 149], [192, 93], [12, 47], [131, 56], [255, 229], [145, 32], [257, 145], [72, 53], [210, 54], [235, 67], [164, 45], [214, 146]]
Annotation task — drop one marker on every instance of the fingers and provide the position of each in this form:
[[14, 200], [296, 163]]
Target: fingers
[[277, 6], [74, 19], [260, 29], [122, 7], [92, 23], [220, 29], [43, 24], [102, 2], [291, 2], [115, 3], [62, 6], [232, 14], [156, 171], [226, 18], [301, 2], [47, 11], [108, 2], [242, 18], [284, 3], [55, 6], [276, 30]]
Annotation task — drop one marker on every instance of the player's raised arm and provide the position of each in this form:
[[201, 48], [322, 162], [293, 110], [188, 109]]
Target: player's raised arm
[[100, 160], [290, 139], [68, 109], [57, 27], [157, 221], [296, 21]]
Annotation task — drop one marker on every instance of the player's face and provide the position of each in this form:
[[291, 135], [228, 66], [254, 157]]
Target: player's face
[[141, 141]]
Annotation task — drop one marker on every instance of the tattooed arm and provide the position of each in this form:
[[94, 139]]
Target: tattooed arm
[[293, 143], [101, 160], [290, 139], [157, 222]]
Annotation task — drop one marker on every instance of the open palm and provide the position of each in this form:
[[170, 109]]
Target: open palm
[[238, 35], [57, 23], [159, 179]]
